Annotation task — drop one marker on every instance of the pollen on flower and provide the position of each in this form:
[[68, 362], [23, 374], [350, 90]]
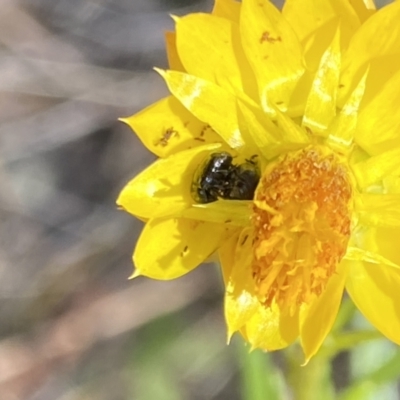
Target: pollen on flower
[[301, 218]]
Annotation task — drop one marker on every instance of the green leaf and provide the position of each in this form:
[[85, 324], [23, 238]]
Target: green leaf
[[373, 385], [376, 367], [260, 378]]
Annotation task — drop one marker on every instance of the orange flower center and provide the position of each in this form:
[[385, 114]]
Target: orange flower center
[[301, 216]]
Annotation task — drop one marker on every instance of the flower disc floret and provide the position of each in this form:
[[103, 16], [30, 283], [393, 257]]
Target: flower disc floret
[[302, 217]]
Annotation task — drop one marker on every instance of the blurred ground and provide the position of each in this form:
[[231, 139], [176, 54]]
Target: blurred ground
[[72, 326]]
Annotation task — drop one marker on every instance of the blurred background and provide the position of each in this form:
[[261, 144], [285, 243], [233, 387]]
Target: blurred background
[[72, 326]]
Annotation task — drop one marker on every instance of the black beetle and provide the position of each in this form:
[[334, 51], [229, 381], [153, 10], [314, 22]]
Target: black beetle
[[221, 179]]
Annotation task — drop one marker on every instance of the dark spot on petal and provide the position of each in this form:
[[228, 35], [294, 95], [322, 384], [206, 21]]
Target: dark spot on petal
[[244, 240], [308, 130], [266, 37], [185, 249], [166, 136], [204, 130]]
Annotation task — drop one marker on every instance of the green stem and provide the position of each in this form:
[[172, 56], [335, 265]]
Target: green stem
[[346, 313], [348, 340], [312, 381]]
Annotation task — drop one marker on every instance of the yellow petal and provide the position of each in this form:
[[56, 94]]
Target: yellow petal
[[378, 123], [378, 209], [174, 61], [208, 102], [316, 21], [299, 96], [375, 43], [259, 132], [229, 212], [273, 51], [371, 257], [380, 240], [263, 136], [321, 102], [316, 320], [170, 248], [240, 299], [342, 129], [164, 187], [291, 132], [226, 254], [228, 9], [377, 167], [363, 8], [205, 46], [306, 16], [269, 330], [167, 127], [391, 184], [375, 291]]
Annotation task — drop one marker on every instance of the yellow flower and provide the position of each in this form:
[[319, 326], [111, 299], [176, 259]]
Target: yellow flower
[[309, 97]]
